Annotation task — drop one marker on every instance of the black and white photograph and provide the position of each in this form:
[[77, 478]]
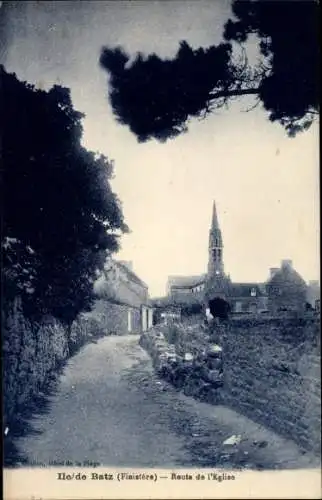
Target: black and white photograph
[[160, 254]]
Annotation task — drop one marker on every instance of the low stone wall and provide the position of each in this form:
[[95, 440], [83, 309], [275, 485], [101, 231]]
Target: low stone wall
[[272, 374], [33, 353], [270, 370], [181, 357]]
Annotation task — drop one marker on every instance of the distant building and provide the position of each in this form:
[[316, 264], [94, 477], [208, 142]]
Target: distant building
[[314, 294], [248, 297], [285, 290], [165, 310], [122, 303], [170, 315], [187, 289], [241, 297]]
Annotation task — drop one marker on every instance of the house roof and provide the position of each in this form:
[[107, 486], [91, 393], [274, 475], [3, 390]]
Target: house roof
[[130, 274], [185, 281], [244, 289], [287, 274]]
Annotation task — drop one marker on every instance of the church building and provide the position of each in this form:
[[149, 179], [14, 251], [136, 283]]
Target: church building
[[284, 290]]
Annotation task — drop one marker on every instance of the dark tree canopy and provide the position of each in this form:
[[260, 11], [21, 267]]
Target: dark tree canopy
[[219, 308], [156, 97], [60, 214]]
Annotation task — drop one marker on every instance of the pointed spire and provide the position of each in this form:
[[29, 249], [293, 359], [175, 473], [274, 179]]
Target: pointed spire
[[214, 224]]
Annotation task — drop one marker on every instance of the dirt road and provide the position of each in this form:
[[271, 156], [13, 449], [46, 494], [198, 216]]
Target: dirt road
[[110, 409]]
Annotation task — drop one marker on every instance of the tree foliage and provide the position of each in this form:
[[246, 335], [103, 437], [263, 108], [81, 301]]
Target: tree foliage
[[156, 97], [60, 214]]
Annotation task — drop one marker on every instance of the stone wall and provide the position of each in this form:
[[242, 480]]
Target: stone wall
[[271, 370], [272, 374], [33, 353], [30, 353], [183, 356]]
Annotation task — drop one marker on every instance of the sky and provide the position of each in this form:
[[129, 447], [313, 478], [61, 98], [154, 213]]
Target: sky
[[264, 183]]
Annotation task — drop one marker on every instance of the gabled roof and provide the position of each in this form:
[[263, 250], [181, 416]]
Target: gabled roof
[[130, 274], [287, 274], [185, 281], [244, 289]]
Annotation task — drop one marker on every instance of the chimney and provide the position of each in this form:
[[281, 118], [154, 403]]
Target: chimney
[[273, 271], [286, 263]]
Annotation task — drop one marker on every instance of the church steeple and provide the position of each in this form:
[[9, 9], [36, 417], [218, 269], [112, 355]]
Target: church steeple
[[215, 262], [214, 224]]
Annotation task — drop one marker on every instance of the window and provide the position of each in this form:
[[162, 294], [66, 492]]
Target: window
[[219, 253], [253, 292], [214, 253], [238, 307]]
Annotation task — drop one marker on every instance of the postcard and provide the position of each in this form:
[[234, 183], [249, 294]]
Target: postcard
[[160, 249]]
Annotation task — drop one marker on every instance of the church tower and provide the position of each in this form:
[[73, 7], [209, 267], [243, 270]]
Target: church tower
[[215, 261], [217, 283]]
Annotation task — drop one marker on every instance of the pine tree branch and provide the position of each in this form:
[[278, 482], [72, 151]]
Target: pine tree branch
[[233, 93]]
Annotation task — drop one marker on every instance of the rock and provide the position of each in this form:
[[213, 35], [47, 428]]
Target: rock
[[213, 376], [170, 355], [262, 444], [214, 350], [190, 388], [188, 356], [162, 371], [162, 344], [159, 335], [215, 363], [232, 440]]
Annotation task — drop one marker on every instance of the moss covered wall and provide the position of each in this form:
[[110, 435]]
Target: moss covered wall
[[33, 352], [272, 374]]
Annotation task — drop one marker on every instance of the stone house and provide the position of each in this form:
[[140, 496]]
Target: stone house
[[122, 304], [286, 290], [248, 297]]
